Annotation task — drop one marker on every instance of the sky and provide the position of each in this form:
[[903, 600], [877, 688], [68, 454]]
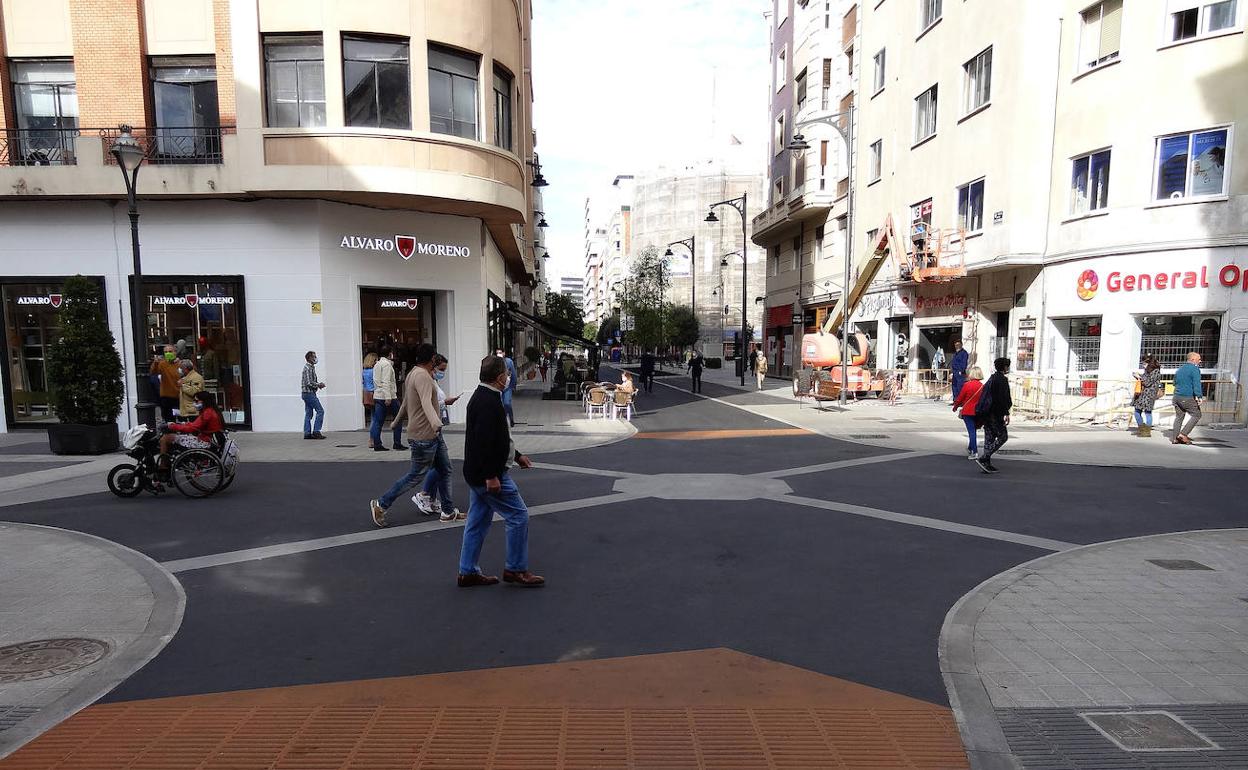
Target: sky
[[621, 87]]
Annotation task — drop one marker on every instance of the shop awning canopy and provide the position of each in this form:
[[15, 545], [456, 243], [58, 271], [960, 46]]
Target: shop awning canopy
[[549, 329]]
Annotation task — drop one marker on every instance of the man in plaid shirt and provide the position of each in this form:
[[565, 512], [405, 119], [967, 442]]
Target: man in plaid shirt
[[309, 387]]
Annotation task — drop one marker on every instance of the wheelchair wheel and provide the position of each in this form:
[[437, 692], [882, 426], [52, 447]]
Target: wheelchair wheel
[[124, 480], [197, 473], [229, 479]]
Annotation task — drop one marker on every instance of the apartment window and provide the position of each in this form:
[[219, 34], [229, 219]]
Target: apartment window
[[977, 83], [925, 114], [878, 78], [46, 107], [502, 108], [930, 12], [782, 70], [452, 92], [778, 139], [184, 93], [877, 158], [826, 85], [773, 261], [819, 243], [971, 206], [1192, 165], [798, 256], [800, 80], [294, 80], [376, 81], [778, 187], [1089, 183], [1196, 18], [1101, 34]]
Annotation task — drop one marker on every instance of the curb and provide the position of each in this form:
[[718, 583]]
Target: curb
[[982, 736], [166, 617]]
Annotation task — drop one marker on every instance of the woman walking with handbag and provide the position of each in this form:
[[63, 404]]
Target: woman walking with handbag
[[1147, 388], [967, 400]]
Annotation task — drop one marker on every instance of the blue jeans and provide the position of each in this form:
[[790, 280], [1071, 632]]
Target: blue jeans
[[312, 404], [511, 416], [971, 431], [482, 506], [382, 410], [425, 455], [438, 487], [1141, 417], [956, 383]]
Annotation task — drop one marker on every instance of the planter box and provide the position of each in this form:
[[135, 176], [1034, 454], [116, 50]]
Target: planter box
[[83, 439]]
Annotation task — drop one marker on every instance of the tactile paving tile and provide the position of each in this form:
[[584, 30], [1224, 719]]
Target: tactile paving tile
[[1059, 739], [150, 735]]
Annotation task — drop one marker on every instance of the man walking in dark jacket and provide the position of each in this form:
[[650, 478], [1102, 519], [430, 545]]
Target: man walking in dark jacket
[[489, 453], [995, 413], [647, 371], [696, 362]]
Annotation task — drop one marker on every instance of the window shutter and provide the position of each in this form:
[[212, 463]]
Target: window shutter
[[1111, 28]]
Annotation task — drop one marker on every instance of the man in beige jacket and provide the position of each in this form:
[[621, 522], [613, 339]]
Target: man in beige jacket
[[189, 384], [385, 400], [424, 432]]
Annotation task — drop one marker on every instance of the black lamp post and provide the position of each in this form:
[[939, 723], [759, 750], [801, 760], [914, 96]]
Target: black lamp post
[[129, 156], [690, 243], [740, 205]]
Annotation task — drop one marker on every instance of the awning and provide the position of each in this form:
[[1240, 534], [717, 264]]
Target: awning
[[549, 329]]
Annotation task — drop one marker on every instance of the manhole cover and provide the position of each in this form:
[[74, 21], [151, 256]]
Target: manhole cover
[[1148, 731], [48, 657], [1179, 564], [867, 435], [1016, 452]]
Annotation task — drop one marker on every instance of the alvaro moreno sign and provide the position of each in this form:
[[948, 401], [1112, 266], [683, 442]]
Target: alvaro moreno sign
[[406, 246]]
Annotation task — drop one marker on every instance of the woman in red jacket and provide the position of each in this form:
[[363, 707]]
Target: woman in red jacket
[[967, 398], [196, 434]]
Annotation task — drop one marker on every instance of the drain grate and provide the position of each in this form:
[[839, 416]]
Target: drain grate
[[1180, 564], [41, 659], [1148, 731], [1016, 452], [868, 435]]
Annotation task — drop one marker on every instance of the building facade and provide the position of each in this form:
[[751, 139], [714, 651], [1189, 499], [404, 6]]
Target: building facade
[[996, 130], [573, 287], [317, 177]]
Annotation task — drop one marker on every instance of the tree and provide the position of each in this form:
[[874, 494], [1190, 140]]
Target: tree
[[84, 370], [609, 329], [563, 314], [590, 331], [682, 327], [643, 297]]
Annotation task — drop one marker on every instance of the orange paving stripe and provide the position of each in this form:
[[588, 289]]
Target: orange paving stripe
[[710, 435], [703, 709]]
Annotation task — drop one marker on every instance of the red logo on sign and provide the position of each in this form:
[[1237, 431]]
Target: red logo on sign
[[406, 245], [192, 300], [411, 304], [55, 299]]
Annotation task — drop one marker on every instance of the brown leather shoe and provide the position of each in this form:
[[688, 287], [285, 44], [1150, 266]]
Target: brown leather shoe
[[524, 579], [476, 579]]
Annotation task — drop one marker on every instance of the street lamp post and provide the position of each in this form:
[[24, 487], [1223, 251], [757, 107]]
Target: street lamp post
[[740, 205], [690, 243], [798, 145], [129, 156]]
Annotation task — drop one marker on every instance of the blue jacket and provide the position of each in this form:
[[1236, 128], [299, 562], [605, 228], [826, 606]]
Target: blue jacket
[[515, 376], [1187, 382], [961, 360]]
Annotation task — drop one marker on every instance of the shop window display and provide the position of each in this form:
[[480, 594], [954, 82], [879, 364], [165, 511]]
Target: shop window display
[[31, 323]]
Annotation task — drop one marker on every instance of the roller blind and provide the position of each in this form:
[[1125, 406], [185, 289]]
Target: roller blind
[[1111, 28]]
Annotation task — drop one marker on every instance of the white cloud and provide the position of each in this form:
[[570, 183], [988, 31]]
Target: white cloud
[[620, 87]]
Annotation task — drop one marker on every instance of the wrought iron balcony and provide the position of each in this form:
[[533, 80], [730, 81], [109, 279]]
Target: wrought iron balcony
[[172, 145], [38, 146]]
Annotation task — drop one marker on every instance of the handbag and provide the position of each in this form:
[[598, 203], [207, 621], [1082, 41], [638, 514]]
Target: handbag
[[368, 398], [1139, 387]]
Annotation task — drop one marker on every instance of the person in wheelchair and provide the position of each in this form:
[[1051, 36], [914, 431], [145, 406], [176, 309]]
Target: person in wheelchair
[[197, 434]]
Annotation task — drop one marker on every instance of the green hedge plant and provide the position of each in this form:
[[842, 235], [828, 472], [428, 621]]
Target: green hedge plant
[[84, 370]]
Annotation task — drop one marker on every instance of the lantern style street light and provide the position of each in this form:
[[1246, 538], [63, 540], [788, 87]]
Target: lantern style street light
[[740, 205], [129, 156]]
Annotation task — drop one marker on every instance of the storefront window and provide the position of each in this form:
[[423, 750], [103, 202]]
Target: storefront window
[[203, 320], [402, 320], [1171, 337], [31, 324]]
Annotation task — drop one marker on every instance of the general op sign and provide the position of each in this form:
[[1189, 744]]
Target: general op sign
[[1230, 276], [404, 245]]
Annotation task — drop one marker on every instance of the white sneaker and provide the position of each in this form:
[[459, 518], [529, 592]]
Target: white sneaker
[[972, 456], [424, 503], [453, 515], [435, 506]]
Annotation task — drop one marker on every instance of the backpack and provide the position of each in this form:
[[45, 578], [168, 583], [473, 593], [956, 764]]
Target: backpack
[[984, 406]]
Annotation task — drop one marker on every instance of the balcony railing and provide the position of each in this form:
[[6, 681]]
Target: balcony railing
[[38, 146], [172, 145]]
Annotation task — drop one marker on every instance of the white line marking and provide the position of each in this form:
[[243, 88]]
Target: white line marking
[[923, 521], [786, 472], [587, 471], [368, 536]]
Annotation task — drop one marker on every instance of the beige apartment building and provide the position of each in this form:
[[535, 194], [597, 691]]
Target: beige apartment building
[[1078, 160], [318, 176]]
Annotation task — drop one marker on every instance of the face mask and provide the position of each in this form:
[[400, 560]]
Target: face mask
[[439, 375], [199, 405], [170, 356]]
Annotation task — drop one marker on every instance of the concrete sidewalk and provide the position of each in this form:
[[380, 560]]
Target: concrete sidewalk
[[1132, 653], [78, 615]]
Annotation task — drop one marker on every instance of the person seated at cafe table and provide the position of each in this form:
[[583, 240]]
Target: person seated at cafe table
[[626, 383]]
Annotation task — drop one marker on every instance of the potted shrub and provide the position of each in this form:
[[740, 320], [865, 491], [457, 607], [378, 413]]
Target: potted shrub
[[84, 374]]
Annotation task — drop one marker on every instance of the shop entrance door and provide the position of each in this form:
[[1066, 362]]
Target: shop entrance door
[[399, 318]]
